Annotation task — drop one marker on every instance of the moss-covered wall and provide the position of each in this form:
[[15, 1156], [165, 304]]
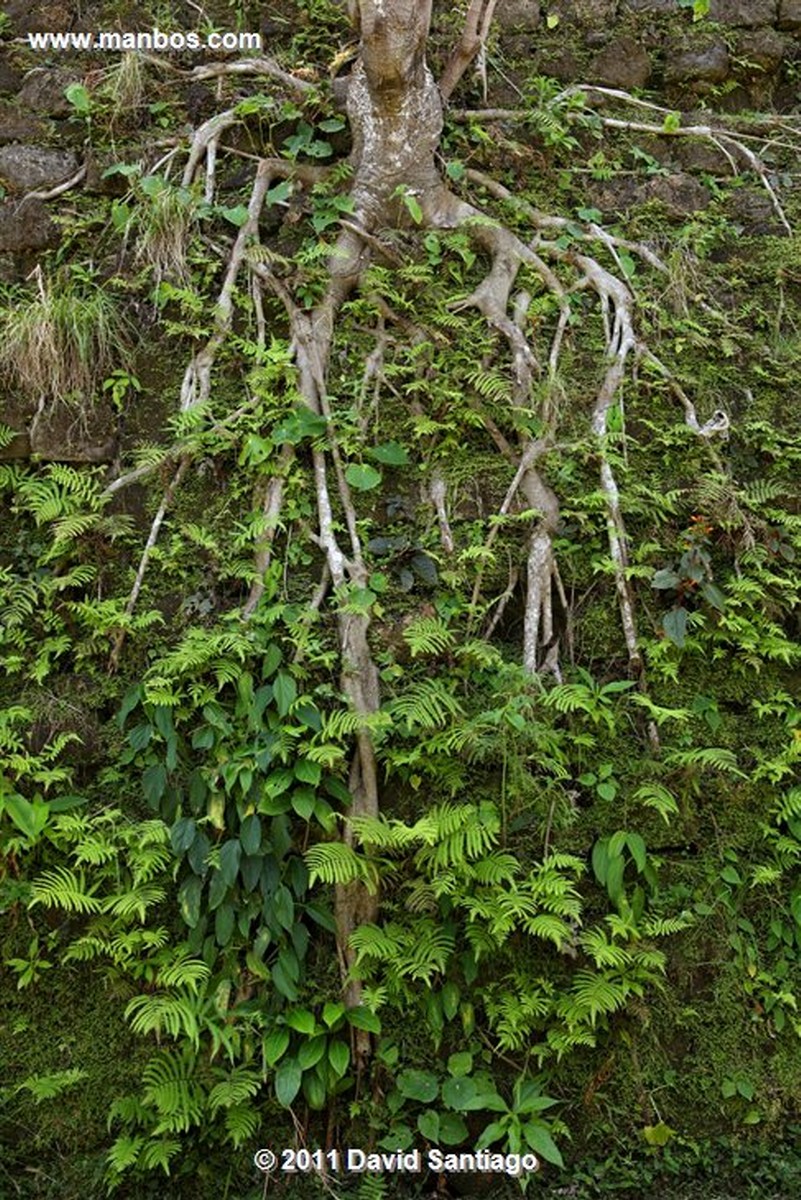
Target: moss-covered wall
[[692, 1085]]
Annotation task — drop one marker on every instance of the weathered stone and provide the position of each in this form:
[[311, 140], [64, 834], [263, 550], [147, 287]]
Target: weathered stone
[[701, 156], [562, 65], [752, 209], [624, 63], [26, 17], [26, 227], [18, 127], [650, 6], [761, 51], [596, 13], [10, 80], [16, 413], [73, 433], [790, 14], [744, 12], [709, 64], [44, 91], [23, 168], [519, 14], [100, 184], [614, 196], [680, 193]]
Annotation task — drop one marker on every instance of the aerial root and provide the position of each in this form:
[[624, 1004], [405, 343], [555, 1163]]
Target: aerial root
[[196, 384]]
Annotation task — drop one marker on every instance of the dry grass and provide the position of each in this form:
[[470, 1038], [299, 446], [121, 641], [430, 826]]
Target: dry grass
[[61, 342]]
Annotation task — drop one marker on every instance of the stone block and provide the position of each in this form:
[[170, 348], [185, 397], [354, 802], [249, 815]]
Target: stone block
[[623, 63], [25, 227], [707, 63], [790, 14], [24, 168], [748, 13], [44, 91]]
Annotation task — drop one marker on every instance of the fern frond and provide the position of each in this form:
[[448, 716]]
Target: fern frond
[[62, 888], [428, 635], [715, 757], [161, 1012], [656, 796], [241, 1124], [425, 705], [240, 1084], [183, 971], [336, 863]]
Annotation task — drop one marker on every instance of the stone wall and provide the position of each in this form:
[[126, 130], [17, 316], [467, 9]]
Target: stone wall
[[745, 55]]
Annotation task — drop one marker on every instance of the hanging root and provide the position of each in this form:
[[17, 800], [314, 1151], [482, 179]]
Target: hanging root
[[196, 385]]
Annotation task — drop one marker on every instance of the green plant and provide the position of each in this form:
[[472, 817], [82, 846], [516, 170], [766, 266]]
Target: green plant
[[60, 342]]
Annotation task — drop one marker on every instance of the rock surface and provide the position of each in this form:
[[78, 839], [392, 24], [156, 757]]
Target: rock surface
[[16, 126], [708, 64], [25, 227], [623, 63], [44, 91], [790, 14], [518, 14], [743, 12], [23, 167]]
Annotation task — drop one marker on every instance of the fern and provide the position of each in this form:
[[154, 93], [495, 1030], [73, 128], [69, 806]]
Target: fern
[[715, 757], [239, 1085], [654, 795], [241, 1124], [337, 863], [171, 1089], [62, 888], [425, 705], [595, 995], [47, 1087], [124, 1153], [183, 972], [161, 1012], [159, 1154], [428, 635]]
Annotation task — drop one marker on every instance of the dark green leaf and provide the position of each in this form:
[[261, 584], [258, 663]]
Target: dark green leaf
[[714, 596], [460, 1063], [224, 924], [339, 1057], [541, 1142], [198, 853], [285, 692], [674, 624], [636, 847], [250, 834], [275, 1046], [218, 890], [363, 477], [390, 453], [363, 1018], [154, 781], [418, 1085], [230, 856], [307, 771], [287, 1082], [311, 1052], [666, 580], [189, 899], [428, 1124], [459, 1093], [182, 835], [452, 1129], [284, 907]]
